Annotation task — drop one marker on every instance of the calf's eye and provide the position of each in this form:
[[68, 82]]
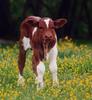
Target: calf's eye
[[41, 27], [52, 27]]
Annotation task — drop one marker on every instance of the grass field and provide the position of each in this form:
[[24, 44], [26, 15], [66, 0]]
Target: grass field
[[74, 72]]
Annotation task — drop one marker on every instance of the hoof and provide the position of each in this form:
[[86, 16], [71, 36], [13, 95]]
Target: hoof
[[55, 84], [21, 82], [40, 86]]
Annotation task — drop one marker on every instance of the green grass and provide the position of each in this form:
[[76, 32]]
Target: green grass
[[74, 73]]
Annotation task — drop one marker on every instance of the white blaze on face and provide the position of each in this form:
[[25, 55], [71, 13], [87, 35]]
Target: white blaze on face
[[26, 43], [47, 22], [34, 30]]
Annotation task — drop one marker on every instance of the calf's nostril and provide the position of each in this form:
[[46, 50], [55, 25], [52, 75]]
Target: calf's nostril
[[48, 36]]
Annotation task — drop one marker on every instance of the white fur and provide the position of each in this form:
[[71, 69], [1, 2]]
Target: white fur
[[40, 72], [26, 43], [21, 80], [47, 22], [53, 64], [34, 30], [20, 77]]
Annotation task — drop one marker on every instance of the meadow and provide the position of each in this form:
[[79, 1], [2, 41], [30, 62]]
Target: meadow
[[74, 73]]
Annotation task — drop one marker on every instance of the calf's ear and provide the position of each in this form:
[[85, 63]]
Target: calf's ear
[[32, 20], [60, 22], [33, 23]]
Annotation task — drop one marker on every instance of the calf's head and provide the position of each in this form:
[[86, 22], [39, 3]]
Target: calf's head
[[46, 30]]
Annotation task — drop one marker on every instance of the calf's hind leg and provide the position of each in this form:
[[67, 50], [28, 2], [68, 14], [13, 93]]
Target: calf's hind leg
[[21, 64]]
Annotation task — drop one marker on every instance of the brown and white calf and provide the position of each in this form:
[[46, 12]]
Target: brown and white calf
[[39, 34]]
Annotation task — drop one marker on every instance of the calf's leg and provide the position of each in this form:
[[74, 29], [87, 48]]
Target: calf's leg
[[40, 74], [39, 69], [53, 64], [21, 64]]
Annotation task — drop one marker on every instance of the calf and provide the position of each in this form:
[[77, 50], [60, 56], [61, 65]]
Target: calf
[[39, 34]]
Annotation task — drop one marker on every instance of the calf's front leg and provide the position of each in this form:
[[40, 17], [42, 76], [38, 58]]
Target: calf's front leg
[[39, 69], [53, 64], [40, 74]]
